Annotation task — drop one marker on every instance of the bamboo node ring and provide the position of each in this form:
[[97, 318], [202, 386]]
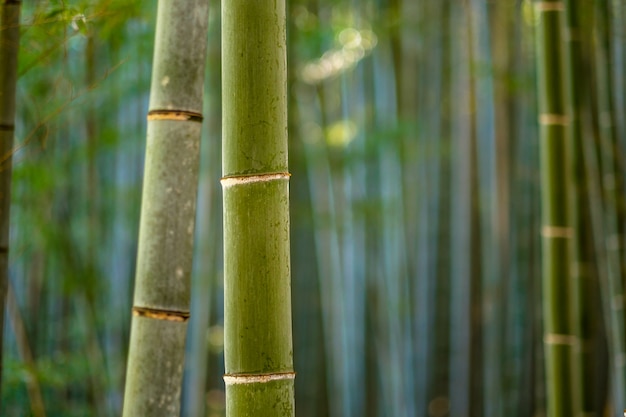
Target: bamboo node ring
[[250, 179], [553, 119], [157, 314], [179, 115], [557, 232], [240, 379], [7, 128], [560, 339]]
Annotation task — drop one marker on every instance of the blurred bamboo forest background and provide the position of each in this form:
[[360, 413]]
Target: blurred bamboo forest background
[[416, 247]]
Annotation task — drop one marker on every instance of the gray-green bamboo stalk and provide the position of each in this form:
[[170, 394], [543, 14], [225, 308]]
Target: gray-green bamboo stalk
[[560, 339], [477, 267], [162, 286], [9, 47], [258, 349], [439, 384]]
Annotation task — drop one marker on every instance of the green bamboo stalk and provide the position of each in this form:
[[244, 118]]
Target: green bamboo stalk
[[560, 339], [9, 47], [258, 349], [610, 170], [607, 273], [582, 265], [162, 287]]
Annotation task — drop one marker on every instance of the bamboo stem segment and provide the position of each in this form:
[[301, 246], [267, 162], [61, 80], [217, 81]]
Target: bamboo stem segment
[[558, 290], [257, 317], [162, 285]]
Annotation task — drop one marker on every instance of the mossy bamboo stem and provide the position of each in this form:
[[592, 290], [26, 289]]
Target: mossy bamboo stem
[[560, 339], [257, 319], [162, 287], [9, 46]]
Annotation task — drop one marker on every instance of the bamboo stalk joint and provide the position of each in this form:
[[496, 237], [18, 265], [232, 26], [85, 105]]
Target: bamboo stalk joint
[[250, 179], [560, 339], [553, 119], [157, 314], [237, 379], [181, 115], [557, 232]]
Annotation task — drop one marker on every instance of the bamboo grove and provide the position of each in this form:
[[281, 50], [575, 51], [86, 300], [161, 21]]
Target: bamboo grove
[[443, 237]]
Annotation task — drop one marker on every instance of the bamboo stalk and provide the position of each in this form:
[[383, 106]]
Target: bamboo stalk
[[461, 327], [607, 273], [582, 271], [439, 384], [560, 338], [477, 266], [612, 212], [257, 319], [162, 287], [9, 47]]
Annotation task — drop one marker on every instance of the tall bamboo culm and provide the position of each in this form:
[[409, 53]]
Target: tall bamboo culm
[[560, 338], [9, 46], [166, 232], [610, 171], [257, 319], [582, 265]]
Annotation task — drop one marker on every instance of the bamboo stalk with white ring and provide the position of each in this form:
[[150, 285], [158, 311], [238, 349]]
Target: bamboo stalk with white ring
[[258, 349], [558, 291]]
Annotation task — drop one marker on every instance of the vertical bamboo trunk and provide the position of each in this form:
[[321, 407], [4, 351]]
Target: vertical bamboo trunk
[[460, 322], [502, 38], [439, 351], [162, 287], [257, 319], [476, 267], [560, 337], [9, 46], [582, 265], [487, 194], [613, 215]]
